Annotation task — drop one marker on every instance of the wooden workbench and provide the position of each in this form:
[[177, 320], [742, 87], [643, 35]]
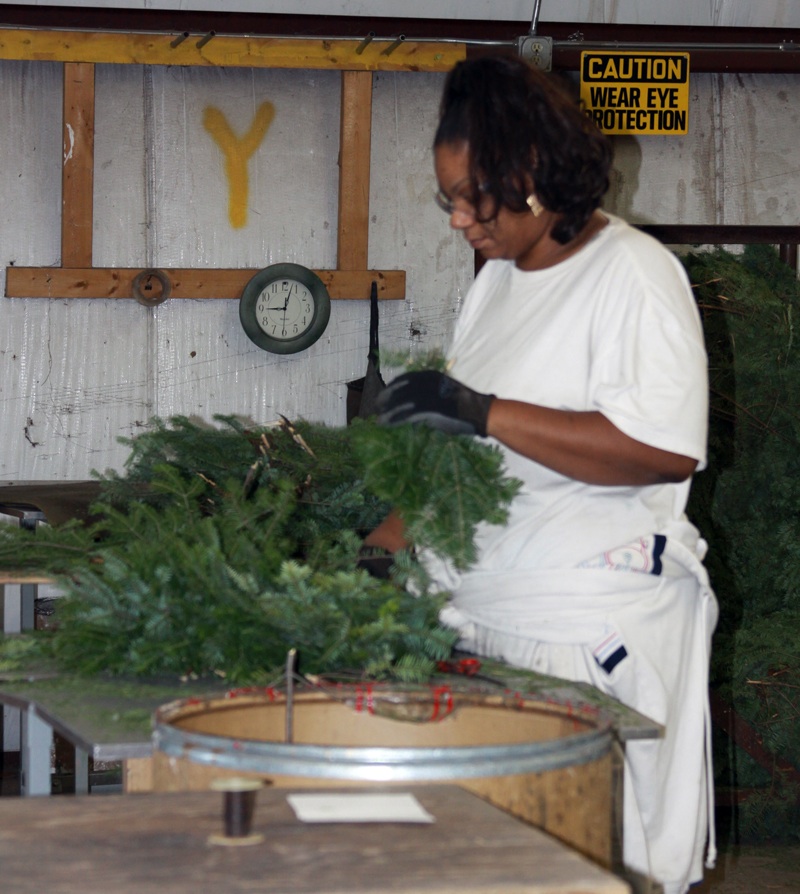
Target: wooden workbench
[[111, 720], [145, 844]]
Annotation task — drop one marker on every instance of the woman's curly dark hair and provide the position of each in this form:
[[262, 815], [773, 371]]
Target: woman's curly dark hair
[[524, 133]]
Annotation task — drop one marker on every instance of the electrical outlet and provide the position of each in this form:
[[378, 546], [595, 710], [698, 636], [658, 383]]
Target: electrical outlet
[[537, 51]]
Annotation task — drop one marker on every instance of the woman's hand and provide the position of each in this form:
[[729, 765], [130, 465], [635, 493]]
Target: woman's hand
[[434, 399], [390, 534]]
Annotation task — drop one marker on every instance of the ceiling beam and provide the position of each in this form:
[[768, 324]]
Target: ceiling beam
[[230, 51], [713, 48]]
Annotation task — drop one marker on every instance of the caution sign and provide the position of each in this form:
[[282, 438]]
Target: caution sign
[[636, 93]]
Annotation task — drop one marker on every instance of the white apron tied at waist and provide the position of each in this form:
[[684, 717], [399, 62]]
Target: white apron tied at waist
[[563, 604], [637, 632]]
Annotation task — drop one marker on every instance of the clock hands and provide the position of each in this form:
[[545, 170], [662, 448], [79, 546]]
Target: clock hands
[[286, 302], [278, 316]]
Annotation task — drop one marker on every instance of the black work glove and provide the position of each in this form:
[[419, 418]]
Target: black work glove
[[376, 561], [434, 399]]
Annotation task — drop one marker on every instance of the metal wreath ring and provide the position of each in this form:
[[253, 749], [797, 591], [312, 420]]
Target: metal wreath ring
[[140, 281]]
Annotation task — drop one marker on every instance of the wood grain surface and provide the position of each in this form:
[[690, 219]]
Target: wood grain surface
[[99, 844]]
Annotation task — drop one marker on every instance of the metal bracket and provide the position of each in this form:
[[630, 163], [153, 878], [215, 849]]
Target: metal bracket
[[536, 51], [144, 292]]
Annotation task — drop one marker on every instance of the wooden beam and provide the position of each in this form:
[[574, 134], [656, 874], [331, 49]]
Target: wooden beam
[[722, 234], [787, 238], [354, 161], [23, 577], [77, 173], [225, 50], [117, 282]]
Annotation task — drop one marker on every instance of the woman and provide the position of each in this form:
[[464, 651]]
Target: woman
[[579, 352]]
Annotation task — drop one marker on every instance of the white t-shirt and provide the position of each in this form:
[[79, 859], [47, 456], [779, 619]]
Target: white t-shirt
[[613, 328]]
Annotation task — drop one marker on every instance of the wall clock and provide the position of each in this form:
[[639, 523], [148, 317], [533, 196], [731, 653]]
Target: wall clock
[[284, 308]]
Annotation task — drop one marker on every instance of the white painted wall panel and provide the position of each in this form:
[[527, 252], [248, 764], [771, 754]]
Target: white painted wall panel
[[759, 125], [292, 176], [409, 231], [30, 197], [205, 363], [737, 165], [120, 185], [669, 179]]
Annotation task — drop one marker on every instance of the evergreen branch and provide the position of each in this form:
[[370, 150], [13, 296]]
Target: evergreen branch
[[219, 549], [752, 418]]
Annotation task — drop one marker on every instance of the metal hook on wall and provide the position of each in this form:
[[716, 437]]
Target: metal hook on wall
[[143, 287], [365, 43], [205, 39], [179, 40], [394, 45]]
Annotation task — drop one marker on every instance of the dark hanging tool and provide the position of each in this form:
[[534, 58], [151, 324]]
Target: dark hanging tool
[[362, 393]]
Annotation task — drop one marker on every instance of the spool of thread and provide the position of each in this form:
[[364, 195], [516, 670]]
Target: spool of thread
[[238, 807]]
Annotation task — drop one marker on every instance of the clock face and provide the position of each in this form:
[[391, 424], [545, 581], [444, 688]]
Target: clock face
[[284, 308]]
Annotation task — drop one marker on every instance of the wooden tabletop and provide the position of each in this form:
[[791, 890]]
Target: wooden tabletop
[[143, 844]]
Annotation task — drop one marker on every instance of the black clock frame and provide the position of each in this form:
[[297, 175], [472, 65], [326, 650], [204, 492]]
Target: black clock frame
[[252, 292]]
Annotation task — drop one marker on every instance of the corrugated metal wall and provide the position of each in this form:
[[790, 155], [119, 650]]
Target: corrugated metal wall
[[77, 374]]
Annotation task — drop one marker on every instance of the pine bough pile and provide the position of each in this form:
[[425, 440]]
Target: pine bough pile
[[747, 506], [223, 547]]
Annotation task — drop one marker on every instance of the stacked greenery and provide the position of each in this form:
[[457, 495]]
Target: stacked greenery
[[222, 548], [747, 505]]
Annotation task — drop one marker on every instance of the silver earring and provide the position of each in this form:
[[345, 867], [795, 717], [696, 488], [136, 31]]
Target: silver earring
[[534, 204]]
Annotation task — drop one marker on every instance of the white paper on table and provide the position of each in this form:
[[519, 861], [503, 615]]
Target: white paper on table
[[375, 807]]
